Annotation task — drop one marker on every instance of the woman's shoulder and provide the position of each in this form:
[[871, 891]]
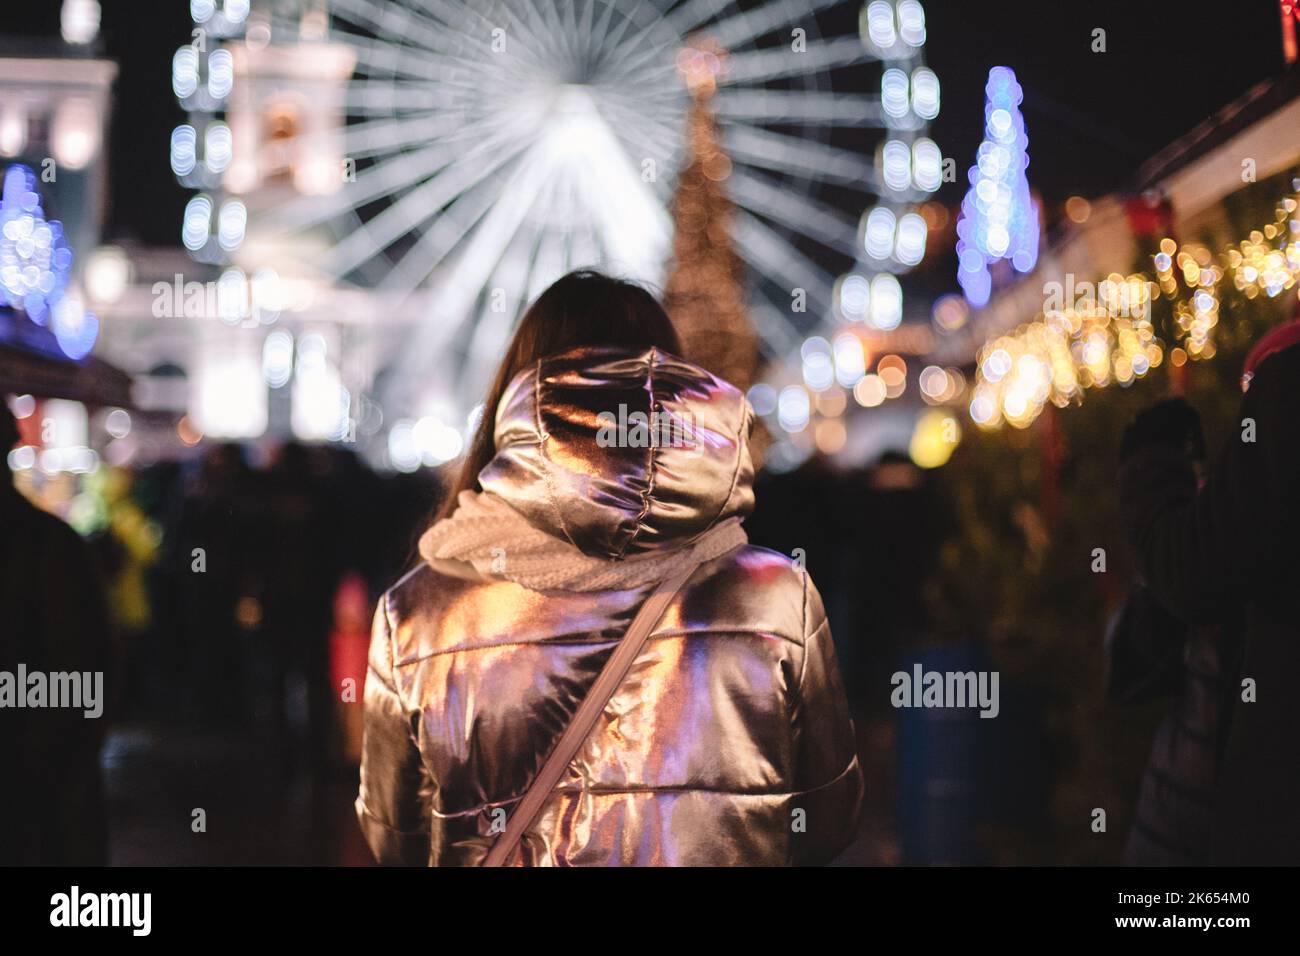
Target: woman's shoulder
[[753, 589], [750, 589], [417, 606], [751, 564]]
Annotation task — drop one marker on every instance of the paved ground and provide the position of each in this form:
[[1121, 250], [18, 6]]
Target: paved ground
[[262, 810], [257, 810]]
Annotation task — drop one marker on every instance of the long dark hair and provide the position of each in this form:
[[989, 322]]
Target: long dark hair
[[581, 308]]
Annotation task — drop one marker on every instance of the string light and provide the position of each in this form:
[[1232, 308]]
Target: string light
[[1106, 336]]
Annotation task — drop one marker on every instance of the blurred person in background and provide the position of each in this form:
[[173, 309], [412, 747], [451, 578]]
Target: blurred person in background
[[349, 651], [211, 569], [1227, 554], [52, 808], [301, 535], [729, 739], [1153, 655], [900, 522], [125, 543], [802, 514]]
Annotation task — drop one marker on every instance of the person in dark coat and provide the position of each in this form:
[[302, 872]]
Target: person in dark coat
[[54, 620], [1154, 655], [1228, 553]]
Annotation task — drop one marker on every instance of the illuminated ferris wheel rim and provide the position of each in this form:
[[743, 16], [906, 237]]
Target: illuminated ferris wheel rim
[[458, 136]]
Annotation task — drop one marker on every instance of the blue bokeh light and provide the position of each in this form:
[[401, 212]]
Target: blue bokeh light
[[35, 259], [999, 219]]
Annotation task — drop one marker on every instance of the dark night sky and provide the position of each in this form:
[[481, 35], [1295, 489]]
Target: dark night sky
[[1092, 118]]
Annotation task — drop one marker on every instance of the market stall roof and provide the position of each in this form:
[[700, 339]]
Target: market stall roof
[[1269, 108], [31, 363]]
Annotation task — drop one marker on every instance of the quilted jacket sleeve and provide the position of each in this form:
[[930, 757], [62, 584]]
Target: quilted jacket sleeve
[[828, 778], [389, 807]]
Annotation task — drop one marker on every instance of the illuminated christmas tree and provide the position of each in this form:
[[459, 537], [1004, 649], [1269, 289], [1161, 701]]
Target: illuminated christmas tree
[[998, 220], [704, 291]]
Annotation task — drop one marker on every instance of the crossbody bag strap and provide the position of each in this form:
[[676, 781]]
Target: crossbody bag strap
[[584, 719]]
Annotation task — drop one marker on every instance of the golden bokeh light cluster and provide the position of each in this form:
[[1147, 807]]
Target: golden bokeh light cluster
[[1106, 335]]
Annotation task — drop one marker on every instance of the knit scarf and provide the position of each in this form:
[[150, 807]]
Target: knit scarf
[[499, 542]]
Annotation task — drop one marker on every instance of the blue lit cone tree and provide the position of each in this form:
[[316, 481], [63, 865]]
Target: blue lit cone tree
[[999, 220]]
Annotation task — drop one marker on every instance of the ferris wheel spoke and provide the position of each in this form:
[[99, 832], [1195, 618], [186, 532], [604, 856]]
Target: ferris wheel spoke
[[442, 237], [598, 38], [586, 249], [778, 337], [756, 66], [375, 136], [395, 19], [549, 263], [305, 212], [798, 212], [774, 257], [487, 241], [743, 28], [445, 134], [455, 13], [417, 206], [692, 14], [534, 177], [385, 60], [586, 30], [756, 146], [663, 112], [801, 106], [664, 101], [545, 42], [567, 28], [530, 181], [541, 264], [658, 73], [437, 29], [666, 94], [582, 246], [638, 52], [431, 339], [625, 43], [370, 97], [642, 148], [388, 177], [510, 276], [443, 54], [489, 337], [590, 249], [650, 133], [379, 61]]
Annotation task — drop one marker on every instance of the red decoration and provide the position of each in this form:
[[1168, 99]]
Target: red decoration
[[1149, 214], [1290, 14]]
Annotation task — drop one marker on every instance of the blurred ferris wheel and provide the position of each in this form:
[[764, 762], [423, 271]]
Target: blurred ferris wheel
[[466, 154]]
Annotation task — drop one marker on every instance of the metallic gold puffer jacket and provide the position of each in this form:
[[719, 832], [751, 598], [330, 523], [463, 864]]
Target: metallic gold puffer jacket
[[729, 743]]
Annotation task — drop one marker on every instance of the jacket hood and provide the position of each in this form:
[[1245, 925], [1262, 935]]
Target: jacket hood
[[622, 452]]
